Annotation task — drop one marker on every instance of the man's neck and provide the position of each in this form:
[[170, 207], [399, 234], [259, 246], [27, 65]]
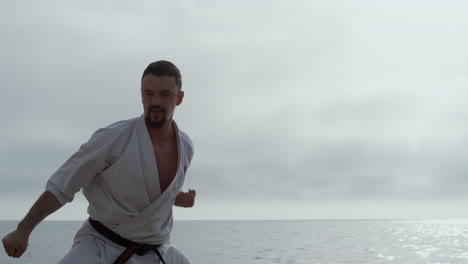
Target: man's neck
[[160, 135]]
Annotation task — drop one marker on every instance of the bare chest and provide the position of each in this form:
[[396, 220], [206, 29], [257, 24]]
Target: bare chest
[[166, 160]]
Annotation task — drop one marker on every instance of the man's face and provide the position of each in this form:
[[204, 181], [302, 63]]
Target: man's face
[[160, 97]]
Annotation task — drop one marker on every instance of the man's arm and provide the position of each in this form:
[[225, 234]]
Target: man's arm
[[186, 199], [16, 242]]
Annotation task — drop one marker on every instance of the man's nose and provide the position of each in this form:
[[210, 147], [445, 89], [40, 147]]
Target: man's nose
[[156, 100]]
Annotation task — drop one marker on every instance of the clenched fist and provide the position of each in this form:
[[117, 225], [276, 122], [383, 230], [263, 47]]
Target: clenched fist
[[186, 199], [16, 243]]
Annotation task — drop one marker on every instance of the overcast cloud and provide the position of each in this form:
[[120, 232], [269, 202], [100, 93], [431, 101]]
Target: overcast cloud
[[298, 103]]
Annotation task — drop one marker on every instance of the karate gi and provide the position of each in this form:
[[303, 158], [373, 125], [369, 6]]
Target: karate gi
[[118, 173]]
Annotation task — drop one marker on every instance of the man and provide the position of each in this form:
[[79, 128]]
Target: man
[[132, 173]]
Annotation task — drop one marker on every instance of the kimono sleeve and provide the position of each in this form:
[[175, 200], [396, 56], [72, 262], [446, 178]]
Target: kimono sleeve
[[92, 158]]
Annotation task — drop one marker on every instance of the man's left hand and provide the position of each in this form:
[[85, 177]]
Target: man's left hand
[[186, 199]]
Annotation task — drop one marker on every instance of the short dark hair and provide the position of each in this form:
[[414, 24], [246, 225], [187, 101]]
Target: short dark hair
[[164, 68]]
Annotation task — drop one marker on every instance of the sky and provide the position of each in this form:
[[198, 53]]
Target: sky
[[298, 109]]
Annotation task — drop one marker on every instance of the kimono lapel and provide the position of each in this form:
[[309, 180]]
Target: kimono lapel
[[159, 212], [149, 162]]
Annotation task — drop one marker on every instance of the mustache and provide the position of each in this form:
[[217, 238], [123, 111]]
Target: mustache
[[157, 108]]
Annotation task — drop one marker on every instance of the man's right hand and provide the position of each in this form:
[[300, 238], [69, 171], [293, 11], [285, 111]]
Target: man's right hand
[[16, 242]]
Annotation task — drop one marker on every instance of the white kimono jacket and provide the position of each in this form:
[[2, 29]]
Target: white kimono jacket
[[118, 173]]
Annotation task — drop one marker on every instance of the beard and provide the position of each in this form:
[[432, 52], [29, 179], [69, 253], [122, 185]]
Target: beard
[[156, 122]]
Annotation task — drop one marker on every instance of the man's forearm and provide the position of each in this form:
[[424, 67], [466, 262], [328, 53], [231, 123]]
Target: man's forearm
[[45, 205]]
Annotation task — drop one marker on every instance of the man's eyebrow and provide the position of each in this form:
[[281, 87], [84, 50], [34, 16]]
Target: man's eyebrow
[[167, 91]]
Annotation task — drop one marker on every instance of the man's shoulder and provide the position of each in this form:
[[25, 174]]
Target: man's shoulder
[[122, 124], [187, 143], [185, 138], [116, 128]]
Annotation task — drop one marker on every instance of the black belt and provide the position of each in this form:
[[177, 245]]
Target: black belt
[[131, 247]]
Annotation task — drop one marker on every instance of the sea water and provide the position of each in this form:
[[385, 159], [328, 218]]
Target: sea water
[[262, 242]]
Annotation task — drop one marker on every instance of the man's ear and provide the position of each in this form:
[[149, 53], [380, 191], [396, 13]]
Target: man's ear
[[180, 97]]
